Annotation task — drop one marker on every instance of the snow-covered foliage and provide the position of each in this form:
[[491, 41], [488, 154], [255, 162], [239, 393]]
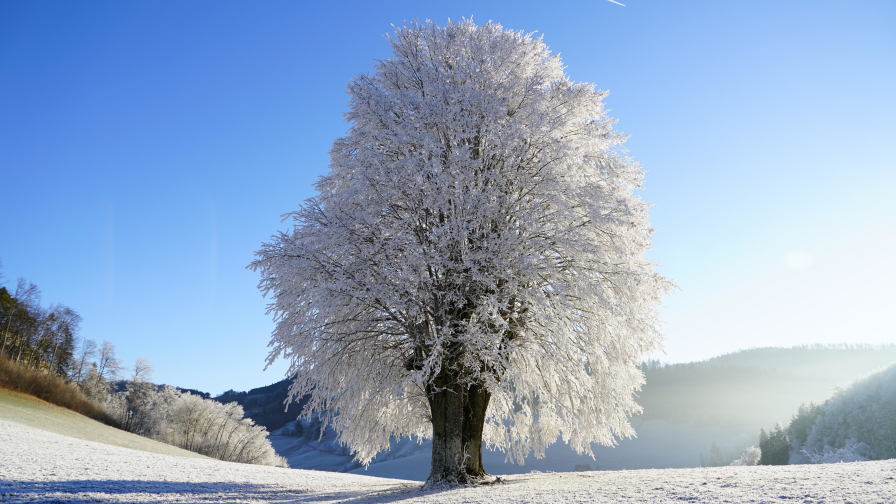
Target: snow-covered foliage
[[856, 423], [213, 429], [94, 386], [478, 228], [191, 422], [750, 457], [134, 408], [853, 451]]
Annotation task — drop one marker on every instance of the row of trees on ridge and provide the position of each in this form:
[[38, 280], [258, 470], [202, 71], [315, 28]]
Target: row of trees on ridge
[[48, 340], [37, 337]]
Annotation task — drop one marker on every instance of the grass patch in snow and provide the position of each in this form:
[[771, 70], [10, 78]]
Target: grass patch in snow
[[33, 412]]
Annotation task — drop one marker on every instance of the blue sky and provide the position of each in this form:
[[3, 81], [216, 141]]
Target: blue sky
[[147, 149]]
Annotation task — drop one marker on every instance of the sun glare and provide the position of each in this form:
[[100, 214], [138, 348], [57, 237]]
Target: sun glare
[[799, 260]]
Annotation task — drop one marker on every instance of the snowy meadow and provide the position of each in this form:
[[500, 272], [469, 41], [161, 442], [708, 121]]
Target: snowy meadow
[[469, 283], [40, 466]]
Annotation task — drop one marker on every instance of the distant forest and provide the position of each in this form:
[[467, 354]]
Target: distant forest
[[752, 387], [757, 386], [266, 405]]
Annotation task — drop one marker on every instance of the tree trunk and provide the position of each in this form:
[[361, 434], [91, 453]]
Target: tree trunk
[[458, 417], [475, 406], [446, 406], [12, 314], [21, 347], [53, 357]]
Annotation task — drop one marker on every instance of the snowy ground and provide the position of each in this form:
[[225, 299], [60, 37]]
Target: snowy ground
[[33, 412], [41, 466]]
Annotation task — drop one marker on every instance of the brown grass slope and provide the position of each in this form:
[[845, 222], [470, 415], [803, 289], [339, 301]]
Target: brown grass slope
[[26, 396], [50, 388]]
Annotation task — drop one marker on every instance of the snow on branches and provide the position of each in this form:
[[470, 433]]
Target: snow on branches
[[477, 229]]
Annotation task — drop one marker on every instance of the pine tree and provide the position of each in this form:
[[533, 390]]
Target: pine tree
[[775, 447], [715, 456], [764, 447]]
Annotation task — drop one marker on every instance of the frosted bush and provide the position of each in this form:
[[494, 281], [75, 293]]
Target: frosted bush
[[854, 451], [749, 458], [193, 423], [214, 429]]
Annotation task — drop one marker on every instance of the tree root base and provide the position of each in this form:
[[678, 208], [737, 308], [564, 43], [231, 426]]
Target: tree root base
[[467, 480]]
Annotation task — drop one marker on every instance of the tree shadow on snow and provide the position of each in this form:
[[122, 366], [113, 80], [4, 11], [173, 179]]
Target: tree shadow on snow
[[391, 493], [76, 491], [83, 491], [369, 496]]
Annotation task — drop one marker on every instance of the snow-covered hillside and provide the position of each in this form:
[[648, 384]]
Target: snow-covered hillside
[[40, 466], [861, 416]]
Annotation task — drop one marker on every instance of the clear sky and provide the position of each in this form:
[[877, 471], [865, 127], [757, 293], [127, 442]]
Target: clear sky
[[147, 149]]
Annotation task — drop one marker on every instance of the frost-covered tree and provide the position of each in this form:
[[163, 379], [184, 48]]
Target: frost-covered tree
[[108, 367], [473, 266], [799, 428], [856, 421], [86, 351], [187, 421], [208, 427], [136, 404], [852, 451], [751, 457], [95, 387]]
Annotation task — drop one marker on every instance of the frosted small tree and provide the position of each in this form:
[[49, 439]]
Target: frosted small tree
[[108, 367], [137, 401], [86, 352], [751, 457], [473, 266]]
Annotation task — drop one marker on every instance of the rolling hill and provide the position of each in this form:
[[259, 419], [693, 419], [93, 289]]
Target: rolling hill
[[32, 412]]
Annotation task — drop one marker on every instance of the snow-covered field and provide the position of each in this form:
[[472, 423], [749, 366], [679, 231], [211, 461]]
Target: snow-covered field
[[41, 466]]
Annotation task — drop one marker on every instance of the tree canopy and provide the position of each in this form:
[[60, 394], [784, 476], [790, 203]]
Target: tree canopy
[[475, 251]]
